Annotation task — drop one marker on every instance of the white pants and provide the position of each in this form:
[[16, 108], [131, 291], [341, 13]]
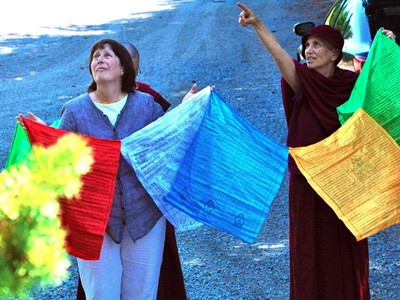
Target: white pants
[[127, 271]]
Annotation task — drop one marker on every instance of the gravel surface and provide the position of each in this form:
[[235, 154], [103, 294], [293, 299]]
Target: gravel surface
[[193, 41]]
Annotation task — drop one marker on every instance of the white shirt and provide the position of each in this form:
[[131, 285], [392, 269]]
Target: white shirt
[[112, 110]]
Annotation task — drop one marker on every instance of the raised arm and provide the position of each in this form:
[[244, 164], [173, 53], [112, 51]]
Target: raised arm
[[282, 59]]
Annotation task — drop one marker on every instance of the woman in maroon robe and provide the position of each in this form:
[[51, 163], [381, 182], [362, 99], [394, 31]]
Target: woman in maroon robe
[[326, 261]]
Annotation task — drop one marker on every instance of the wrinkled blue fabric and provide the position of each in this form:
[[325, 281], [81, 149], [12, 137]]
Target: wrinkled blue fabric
[[230, 173]]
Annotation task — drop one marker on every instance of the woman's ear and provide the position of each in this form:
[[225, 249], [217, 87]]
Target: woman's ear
[[336, 53]]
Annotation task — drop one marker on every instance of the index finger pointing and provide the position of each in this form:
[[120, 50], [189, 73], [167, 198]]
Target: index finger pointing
[[242, 6]]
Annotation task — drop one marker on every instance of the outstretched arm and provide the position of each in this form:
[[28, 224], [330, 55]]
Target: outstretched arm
[[282, 59]]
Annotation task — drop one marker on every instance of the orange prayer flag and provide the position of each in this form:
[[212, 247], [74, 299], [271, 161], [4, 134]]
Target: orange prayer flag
[[356, 172]]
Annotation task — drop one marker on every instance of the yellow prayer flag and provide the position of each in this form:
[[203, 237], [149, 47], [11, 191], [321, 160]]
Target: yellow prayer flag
[[356, 172]]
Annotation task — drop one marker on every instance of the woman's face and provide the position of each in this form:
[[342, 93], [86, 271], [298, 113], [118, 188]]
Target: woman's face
[[319, 54], [106, 66]]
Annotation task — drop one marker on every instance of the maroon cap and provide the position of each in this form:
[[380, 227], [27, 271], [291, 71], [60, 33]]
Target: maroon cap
[[327, 33]]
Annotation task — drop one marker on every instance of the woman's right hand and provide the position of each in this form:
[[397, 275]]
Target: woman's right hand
[[30, 116]]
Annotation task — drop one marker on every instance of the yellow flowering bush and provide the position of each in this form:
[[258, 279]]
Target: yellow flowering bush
[[31, 238]]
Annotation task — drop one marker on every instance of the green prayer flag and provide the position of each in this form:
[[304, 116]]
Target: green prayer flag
[[377, 89], [21, 146]]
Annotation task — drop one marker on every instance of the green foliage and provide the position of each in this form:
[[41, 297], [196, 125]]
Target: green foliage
[[31, 239]]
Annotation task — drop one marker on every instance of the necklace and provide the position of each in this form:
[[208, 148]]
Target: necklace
[[99, 100]]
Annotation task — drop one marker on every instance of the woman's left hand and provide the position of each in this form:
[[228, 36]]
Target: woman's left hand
[[193, 91]]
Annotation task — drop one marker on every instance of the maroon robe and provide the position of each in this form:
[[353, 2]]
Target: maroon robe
[[145, 88], [326, 261], [171, 285]]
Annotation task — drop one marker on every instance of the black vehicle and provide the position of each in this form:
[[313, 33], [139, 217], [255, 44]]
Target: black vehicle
[[358, 21]]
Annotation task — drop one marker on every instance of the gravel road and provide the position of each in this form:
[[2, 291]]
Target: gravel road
[[192, 41]]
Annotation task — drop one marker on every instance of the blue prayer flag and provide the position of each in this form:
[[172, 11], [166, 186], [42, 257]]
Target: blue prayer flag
[[211, 164], [230, 173]]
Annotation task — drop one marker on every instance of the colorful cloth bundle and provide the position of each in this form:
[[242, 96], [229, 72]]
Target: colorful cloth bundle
[[203, 163]]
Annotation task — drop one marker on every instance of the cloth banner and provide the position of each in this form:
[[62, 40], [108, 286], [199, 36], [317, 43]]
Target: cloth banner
[[155, 153], [356, 172], [20, 147], [377, 89], [210, 164], [86, 218]]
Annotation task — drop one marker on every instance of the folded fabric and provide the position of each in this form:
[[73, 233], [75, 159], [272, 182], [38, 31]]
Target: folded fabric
[[85, 218], [355, 171], [20, 147], [155, 153], [211, 164], [377, 89]]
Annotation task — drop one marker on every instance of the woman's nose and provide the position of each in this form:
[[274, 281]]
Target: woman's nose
[[100, 58]]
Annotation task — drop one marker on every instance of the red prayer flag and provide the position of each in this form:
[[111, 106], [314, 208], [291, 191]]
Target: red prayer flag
[[86, 218]]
